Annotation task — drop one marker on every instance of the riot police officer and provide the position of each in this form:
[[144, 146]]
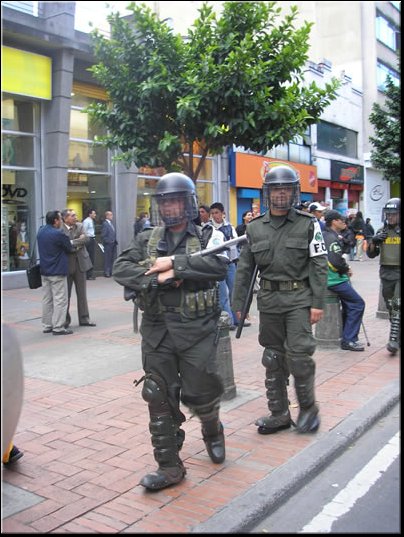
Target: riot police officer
[[386, 243], [287, 246], [177, 293]]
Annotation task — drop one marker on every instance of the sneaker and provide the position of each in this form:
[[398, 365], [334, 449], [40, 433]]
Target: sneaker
[[352, 346], [14, 455]]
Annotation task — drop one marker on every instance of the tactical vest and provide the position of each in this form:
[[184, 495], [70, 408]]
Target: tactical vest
[[192, 303], [193, 243], [390, 249]]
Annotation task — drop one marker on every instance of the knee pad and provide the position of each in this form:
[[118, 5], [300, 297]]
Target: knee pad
[[154, 390], [302, 366], [272, 360]]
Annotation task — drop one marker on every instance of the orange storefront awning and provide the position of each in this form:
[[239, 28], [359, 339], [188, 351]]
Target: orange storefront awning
[[250, 171]]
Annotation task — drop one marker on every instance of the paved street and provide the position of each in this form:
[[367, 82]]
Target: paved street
[[84, 425]]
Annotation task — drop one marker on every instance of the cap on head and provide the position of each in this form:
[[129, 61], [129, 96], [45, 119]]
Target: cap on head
[[316, 207], [332, 215]]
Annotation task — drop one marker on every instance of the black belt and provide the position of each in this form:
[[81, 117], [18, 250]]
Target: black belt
[[288, 285]]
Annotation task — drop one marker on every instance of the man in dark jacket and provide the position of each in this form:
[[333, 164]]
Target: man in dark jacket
[[339, 272], [178, 295], [108, 236], [54, 247]]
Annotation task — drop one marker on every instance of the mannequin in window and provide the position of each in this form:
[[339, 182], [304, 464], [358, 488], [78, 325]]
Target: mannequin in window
[[23, 242]]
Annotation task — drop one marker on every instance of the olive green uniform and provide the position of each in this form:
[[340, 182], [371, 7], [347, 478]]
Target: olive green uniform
[[390, 277], [292, 261], [179, 334]]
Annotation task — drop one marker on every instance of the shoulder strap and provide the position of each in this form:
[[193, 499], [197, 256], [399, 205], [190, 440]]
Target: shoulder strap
[[156, 235]]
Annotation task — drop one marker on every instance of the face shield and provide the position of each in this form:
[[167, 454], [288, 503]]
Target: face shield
[[173, 208], [281, 196]]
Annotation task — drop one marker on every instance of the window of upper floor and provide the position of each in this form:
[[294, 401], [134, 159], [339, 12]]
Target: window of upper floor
[[386, 32], [336, 139], [382, 71]]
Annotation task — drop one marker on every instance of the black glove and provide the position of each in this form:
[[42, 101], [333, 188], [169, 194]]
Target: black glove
[[379, 237]]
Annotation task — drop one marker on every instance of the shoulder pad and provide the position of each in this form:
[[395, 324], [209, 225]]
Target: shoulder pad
[[304, 213]]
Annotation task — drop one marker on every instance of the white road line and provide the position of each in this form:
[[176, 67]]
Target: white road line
[[355, 489]]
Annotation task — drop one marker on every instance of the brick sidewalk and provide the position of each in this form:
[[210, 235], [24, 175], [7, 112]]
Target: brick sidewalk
[[86, 443]]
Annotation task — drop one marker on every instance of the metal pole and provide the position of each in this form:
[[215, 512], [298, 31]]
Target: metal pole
[[365, 334]]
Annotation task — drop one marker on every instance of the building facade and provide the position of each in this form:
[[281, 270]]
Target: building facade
[[50, 160]]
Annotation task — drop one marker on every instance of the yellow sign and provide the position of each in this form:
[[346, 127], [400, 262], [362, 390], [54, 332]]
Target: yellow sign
[[25, 73]]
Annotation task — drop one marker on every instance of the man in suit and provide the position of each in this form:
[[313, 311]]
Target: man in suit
[[108, 236], [79, 264]]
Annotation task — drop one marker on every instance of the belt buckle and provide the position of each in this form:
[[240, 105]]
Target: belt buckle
[[295, 285]]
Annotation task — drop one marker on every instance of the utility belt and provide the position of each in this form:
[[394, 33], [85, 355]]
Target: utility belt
[[288, 285], [193, 303]]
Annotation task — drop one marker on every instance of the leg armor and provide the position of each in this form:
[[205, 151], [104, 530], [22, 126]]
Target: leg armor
[[277, 394], [303, 371], [165, 436], [212, 430], [393, 345]]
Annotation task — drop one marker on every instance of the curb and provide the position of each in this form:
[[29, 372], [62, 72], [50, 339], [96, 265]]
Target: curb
[[246, 511]]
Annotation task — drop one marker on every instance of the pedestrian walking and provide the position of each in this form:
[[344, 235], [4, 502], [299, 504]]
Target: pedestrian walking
[[178, 296], [108, 235], [387, 244], [288, 247], [89, 230]]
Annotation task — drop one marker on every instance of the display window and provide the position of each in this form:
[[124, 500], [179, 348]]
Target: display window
[[20, 150]]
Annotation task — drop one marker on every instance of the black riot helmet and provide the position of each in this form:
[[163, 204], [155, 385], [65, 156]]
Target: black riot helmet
[[392, 207], [174, 200], [278, 178]]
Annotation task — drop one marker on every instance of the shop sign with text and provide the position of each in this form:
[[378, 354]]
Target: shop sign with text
[[248, 171]]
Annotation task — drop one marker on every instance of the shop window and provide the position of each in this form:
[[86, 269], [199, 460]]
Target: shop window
[[17, 115], [84, 127], [20, 145], [18, 231], [17, 150], [87, 156]]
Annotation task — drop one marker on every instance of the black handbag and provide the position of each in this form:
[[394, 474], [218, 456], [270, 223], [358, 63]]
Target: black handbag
[[34, 272]]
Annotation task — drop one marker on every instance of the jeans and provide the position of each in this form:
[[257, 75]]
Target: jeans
[[226, 290], [353, 307]]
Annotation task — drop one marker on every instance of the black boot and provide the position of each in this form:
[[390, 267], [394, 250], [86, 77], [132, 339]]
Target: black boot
[[278, 404], [165, 441], [393, 346], [212, 430], [212, 433], [308, 420]]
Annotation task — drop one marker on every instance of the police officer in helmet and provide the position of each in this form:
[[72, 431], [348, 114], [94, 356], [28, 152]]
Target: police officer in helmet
[[386, 243], [178, 296], [287, 246]]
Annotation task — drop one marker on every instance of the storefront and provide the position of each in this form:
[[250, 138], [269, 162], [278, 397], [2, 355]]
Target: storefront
[[346, 185], [26, 82]]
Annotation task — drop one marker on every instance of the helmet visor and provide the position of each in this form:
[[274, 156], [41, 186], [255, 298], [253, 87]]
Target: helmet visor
[[281, 196], [173, 208]]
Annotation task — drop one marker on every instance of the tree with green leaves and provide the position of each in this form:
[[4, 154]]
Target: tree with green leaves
[[236, 79], [386, 121]]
